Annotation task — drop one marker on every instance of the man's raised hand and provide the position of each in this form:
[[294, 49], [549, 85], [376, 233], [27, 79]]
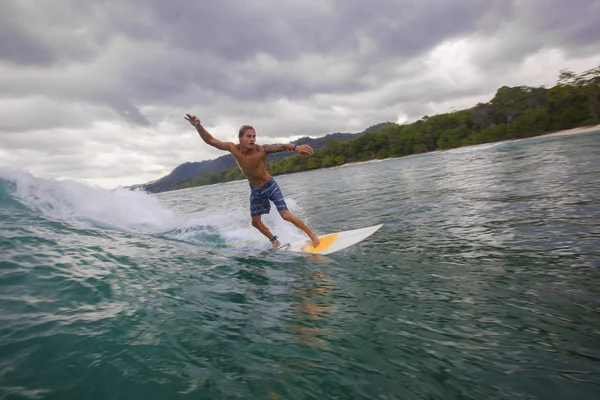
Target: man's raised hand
[[304, 149], [195, 121]]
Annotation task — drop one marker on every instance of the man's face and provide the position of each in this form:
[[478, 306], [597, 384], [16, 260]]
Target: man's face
[[248, 139]]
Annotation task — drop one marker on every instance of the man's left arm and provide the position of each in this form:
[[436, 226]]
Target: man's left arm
[[276, 148]]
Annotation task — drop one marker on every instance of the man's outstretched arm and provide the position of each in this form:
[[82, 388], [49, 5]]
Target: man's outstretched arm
[[207, 137], [276, 148]]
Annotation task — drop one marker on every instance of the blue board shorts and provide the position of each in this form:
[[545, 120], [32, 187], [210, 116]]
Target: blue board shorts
[[260, 196]]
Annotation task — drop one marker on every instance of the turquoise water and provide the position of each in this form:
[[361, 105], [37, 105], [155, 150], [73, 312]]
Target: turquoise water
[[483, 283]]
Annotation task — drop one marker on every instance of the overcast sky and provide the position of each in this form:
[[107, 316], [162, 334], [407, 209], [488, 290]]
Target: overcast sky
[[96, 91]]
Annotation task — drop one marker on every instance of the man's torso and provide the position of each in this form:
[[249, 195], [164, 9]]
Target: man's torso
[[253, 164]]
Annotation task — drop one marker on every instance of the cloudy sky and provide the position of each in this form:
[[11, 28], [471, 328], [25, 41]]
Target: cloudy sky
[[96, 91]]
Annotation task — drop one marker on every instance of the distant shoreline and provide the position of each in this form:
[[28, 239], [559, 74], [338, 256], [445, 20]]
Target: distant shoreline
[[573, 131], [565, 132]]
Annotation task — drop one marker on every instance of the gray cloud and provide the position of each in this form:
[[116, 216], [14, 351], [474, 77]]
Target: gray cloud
[[227, 36], [20, 49], [573, 22], [208, 42]]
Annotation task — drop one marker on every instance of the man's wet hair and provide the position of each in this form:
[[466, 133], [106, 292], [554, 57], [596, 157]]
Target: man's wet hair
[[243, 130]]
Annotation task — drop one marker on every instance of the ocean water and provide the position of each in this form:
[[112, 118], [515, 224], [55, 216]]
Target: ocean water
[[483, 283]]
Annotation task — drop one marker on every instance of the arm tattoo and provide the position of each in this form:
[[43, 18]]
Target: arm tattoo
[[274, 148]]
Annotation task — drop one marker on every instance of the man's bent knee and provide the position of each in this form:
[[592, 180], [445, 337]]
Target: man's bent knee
[[256, 222], [286, 215]]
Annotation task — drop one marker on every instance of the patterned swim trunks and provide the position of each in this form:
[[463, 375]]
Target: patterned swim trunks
[[260, 196]]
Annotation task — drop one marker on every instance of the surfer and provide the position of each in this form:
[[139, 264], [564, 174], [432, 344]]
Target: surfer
[[252, 160]]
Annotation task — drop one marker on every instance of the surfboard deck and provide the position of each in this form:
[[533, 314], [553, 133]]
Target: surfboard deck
[[332, 242]]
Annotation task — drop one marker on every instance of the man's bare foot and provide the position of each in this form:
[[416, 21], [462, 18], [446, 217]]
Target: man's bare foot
[[276, 243], [315, 240]]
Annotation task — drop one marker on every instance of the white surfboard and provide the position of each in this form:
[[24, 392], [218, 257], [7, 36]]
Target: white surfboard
[[332, 242]]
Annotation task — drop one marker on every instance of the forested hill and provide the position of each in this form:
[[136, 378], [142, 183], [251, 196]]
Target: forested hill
[[193, 173], [514, 112]]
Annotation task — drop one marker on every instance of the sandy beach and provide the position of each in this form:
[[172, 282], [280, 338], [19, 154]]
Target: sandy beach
[[573, 131]]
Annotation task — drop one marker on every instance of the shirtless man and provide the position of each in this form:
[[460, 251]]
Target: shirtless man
[[252, 160]]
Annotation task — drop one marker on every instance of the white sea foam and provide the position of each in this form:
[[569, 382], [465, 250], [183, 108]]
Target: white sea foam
[[142, 213]]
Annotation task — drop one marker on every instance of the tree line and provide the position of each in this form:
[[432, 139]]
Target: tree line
[[513, 113]]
